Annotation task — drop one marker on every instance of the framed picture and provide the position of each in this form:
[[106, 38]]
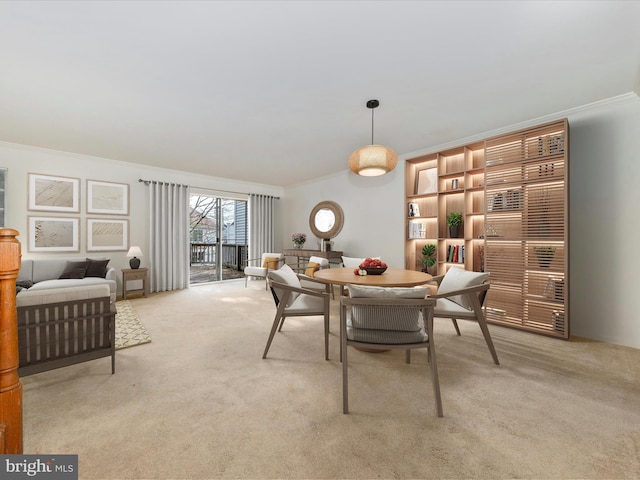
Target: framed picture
[[53, 194], [426, 181], [107, 198], [54, 234], [107, 235]]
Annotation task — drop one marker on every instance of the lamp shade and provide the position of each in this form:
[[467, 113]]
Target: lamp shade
[[373, 160], [134, 252]]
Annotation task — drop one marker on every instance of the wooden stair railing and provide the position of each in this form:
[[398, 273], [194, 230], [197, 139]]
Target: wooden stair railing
[[10, 386]]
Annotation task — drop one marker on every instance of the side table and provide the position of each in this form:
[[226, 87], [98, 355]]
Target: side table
[[129, 274]]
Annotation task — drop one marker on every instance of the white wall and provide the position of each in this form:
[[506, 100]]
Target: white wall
[[604, 201], [604, 219], [21, 160], [373, 213]]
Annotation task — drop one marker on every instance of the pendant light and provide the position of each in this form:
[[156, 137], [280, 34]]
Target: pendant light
[[373, 160]]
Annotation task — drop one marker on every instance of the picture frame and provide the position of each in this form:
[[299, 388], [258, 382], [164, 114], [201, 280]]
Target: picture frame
[[49, 193], [107, 235], [426, 181], [53, 234], [107, 198]]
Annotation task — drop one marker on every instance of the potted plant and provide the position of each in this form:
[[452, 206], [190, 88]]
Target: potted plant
[[429, 257], [454, 220], [545, 255], [299, 239]]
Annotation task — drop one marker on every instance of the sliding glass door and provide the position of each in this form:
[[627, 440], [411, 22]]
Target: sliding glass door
[[218, 237]]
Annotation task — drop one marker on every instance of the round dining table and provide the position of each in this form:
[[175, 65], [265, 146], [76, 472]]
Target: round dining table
[[392, 277]]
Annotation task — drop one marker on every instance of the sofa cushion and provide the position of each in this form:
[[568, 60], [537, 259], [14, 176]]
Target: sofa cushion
[[26, 271], [97, 268], [74, 270], [312, 268], [55, 295]]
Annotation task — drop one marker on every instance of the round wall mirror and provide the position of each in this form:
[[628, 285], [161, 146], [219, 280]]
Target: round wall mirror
[[326, 219]]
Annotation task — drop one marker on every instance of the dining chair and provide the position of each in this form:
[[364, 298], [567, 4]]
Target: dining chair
[[460, 296], [260, 267], [293, 300], [387, 318], [315, 264]]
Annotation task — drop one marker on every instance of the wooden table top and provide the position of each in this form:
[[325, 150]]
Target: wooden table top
[[392, 277]]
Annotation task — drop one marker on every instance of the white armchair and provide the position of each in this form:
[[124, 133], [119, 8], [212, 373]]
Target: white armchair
[[292, 300], [260, 267], [460, 296]]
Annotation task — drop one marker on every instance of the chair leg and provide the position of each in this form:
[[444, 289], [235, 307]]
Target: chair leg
[[326, 332], [245, 281], [345, 380], [407, 355], [487, 338], [281, 323], [435, 380], [271, 335], [455, 324]]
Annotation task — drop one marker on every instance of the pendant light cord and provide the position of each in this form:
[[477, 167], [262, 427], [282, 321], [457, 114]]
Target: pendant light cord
[[372, 112]]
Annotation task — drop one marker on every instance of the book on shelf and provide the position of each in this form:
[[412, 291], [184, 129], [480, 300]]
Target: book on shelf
[[414, 209]]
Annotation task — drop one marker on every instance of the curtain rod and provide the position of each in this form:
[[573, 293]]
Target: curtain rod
[[147, 182]]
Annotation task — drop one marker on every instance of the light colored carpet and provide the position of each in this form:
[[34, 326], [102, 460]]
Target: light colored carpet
[[199, 402], [129, 329]]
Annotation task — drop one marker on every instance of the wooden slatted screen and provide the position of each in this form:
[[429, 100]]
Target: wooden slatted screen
[[526, 220]]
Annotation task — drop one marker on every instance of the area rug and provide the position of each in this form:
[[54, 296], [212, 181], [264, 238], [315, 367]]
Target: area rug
[[129, 329]]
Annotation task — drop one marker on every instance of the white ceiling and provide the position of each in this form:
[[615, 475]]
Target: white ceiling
[[275, 92]]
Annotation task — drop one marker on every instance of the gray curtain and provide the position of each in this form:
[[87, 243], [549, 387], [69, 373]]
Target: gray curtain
[[261, 224], [169, 236]]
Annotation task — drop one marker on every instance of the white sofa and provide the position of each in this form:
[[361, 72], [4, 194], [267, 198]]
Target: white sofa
[[63, 321], [44, 273]]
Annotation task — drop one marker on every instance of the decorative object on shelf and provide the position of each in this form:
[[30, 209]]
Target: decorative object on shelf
[[371, 266], [414, 209], [426, 181], [373, 160], [554, 289], [133, 254], [417, 229], [299, 239], [454, 220], [545, 255], [454, 184], [429, 257]]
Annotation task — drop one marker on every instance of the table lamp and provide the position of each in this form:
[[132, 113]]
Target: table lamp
[[133, 254]]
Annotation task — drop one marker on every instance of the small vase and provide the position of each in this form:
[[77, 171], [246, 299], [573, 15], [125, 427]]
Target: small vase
[[298, 245]]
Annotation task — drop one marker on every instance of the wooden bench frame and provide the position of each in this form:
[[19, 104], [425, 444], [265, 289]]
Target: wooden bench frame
[[56, 335]]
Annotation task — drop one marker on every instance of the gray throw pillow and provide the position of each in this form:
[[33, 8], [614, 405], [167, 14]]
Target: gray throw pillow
[[75, 270], [97, 268]]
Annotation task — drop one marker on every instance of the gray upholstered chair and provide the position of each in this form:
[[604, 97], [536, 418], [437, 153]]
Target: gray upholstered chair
[[292, 300], [387, 318], [260, 267], [460, 296]]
